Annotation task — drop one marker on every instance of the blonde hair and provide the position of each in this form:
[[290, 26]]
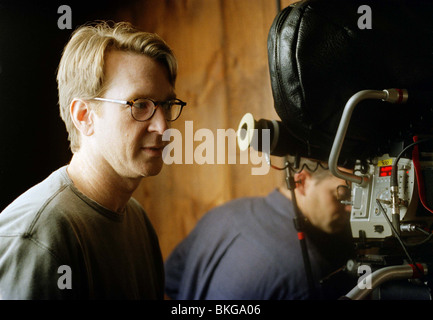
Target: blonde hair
[[81, 69]]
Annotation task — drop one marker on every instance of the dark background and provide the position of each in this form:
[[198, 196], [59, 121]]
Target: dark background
[[33, 138]]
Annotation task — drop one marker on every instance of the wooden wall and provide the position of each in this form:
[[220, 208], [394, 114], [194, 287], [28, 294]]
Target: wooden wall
[[221, 46]]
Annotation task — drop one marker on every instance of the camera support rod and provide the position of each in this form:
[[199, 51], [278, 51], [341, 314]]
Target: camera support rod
[[383, 275], [388, 95]]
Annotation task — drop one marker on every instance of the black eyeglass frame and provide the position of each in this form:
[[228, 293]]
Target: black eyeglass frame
[[131, 103]]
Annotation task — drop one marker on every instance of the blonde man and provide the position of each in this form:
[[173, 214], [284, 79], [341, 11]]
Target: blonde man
[[79, 234]]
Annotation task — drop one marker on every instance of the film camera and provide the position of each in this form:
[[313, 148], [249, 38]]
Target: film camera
[[362, 99]]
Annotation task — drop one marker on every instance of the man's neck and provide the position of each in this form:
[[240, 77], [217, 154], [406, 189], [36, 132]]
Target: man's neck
[[99, 181], [285, 192]]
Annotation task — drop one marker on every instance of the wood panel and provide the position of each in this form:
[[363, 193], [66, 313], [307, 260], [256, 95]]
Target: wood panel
[[221, 46]]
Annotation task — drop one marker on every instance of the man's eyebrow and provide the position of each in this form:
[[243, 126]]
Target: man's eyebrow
[[171, 96]]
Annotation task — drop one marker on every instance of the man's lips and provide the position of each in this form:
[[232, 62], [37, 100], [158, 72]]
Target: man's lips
[[154, 150]]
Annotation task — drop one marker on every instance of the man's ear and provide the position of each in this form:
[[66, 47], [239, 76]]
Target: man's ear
[[302, 180], [82, 116]]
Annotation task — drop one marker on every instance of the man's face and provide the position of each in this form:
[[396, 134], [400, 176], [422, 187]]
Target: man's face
[[321, 206], [133, 149]]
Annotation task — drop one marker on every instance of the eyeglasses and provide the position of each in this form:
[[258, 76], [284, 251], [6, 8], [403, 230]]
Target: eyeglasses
[[143, 109]]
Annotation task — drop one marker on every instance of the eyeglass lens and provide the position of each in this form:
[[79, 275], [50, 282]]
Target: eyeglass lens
[[143, 109]]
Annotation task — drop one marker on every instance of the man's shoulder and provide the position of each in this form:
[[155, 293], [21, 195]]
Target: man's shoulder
[[261, 210], [19, 216], [234, 207]]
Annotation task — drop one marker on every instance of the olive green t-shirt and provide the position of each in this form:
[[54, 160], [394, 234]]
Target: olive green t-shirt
[[56, 243]]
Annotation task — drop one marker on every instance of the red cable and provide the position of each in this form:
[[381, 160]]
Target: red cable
[[419, 178]]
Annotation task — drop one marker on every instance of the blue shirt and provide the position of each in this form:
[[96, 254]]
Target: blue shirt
[[248, 249]]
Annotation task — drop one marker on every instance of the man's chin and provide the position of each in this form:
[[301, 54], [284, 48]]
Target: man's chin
[[151, 170], [340, 226]]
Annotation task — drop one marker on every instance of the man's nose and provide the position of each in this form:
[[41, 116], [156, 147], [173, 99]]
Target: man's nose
[[158, 123]]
